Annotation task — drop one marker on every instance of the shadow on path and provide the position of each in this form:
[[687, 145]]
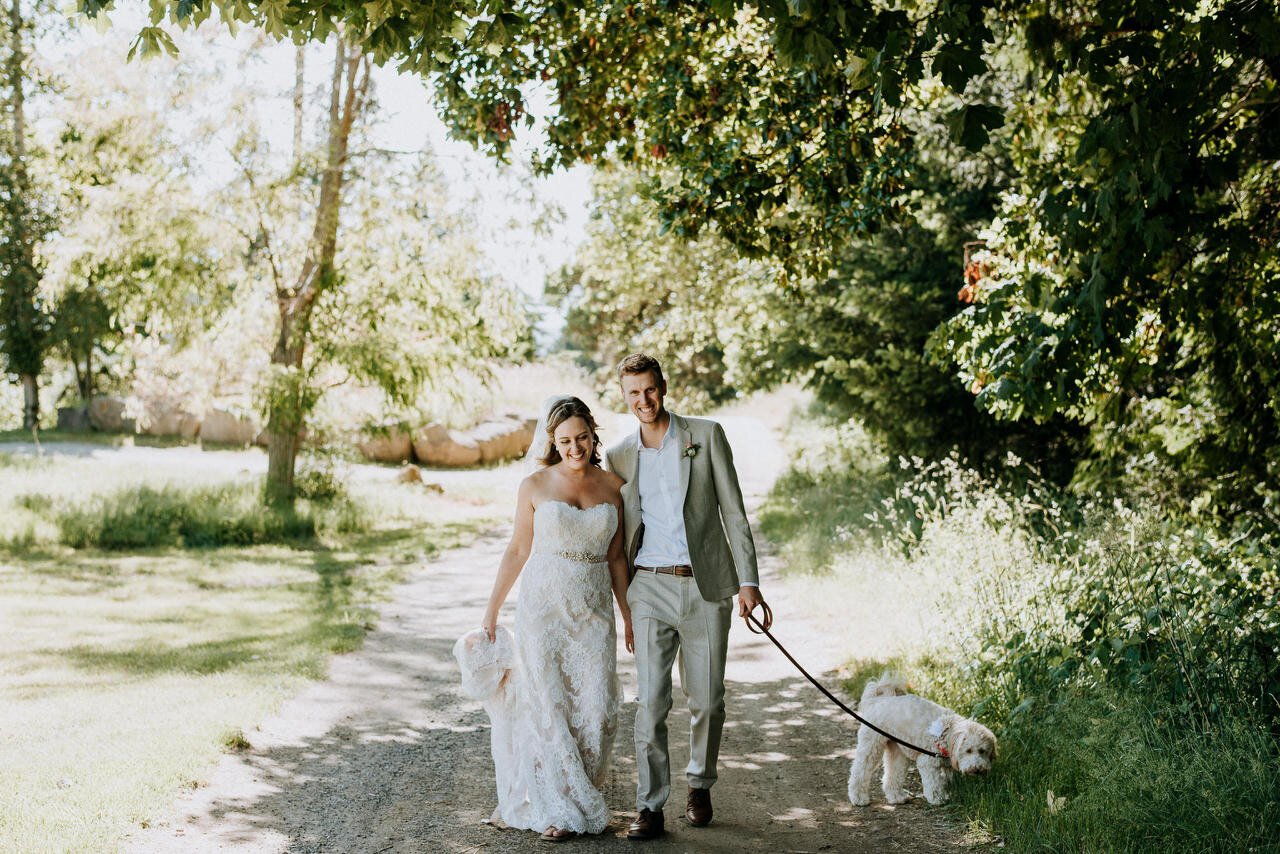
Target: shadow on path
[[402, 786]]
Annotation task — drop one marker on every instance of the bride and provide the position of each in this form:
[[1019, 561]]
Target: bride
[[552, 691]]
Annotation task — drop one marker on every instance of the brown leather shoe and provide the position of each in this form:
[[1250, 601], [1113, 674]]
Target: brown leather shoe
[[648, 825], [698, 807]]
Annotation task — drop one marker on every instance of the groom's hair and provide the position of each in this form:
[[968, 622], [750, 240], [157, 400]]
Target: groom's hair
[[639, 363]]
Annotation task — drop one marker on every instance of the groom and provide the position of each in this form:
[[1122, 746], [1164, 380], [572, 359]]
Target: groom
[[690, 550]]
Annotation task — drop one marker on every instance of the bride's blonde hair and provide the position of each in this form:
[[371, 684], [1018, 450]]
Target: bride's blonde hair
[[569, 407]]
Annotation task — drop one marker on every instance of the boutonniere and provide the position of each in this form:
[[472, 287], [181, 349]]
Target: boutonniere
[[691, 449]]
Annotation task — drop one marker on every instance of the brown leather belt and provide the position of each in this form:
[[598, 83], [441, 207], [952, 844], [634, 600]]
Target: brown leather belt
[[682, 571]]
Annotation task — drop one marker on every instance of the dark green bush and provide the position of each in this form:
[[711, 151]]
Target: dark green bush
[[1166, 610]]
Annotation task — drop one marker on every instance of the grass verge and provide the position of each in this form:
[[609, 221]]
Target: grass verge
[[129, 669]]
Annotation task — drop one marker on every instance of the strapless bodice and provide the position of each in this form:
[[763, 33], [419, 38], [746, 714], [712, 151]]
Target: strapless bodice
[[579, 534]]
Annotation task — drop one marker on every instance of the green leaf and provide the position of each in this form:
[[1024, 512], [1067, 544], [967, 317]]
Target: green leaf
[[970, 125], [956, 65], [723, 8], [858, 71]]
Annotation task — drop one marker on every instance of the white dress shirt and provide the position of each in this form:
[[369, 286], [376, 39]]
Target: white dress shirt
[[665, 542]]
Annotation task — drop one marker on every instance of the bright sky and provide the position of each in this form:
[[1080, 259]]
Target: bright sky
[[407, 122]]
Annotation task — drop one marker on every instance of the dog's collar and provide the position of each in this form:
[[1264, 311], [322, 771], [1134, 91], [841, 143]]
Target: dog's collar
[[939, 730]]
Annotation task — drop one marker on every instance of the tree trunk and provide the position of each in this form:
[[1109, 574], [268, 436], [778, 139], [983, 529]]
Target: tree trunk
[[289, 396], [284, 422], [25, 343], [30, 401], [299, 81]]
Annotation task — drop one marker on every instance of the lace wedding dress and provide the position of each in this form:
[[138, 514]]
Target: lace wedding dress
[[552, 691]]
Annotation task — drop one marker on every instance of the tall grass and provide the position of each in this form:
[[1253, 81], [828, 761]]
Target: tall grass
[[1126, 656], [202, 517]]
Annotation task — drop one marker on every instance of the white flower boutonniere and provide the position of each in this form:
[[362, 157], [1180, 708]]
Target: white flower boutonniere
[[691, 449]]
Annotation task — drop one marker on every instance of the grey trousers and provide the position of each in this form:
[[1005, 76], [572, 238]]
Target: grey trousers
[[671, 619]]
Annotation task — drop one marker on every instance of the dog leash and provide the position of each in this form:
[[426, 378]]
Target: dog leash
[[768, 616]]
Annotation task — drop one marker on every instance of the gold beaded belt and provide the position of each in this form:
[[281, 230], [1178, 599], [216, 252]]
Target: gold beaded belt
[[682, 571], [583, 557]]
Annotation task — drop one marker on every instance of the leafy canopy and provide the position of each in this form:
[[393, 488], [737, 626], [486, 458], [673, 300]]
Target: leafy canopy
[[776, 121]]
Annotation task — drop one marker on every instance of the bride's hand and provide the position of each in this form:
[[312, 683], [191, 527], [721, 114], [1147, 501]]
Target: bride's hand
[[490, 626], [629, 636]]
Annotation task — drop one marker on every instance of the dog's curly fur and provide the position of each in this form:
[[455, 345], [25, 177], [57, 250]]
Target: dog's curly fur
[[888, 703]]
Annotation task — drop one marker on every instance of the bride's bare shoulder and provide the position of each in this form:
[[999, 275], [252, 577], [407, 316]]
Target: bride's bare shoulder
[[533, 483]]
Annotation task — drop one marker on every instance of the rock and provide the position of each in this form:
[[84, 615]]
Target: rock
[[74, 419], [222, 427], [394, 446], [107, 414], [502, 440], [412, 474], [437, 445], [173, 422]]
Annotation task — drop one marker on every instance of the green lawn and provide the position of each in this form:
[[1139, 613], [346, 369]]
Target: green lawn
[[126, 672], [93, 437]]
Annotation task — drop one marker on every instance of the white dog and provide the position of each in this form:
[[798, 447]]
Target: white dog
[[967, 746]]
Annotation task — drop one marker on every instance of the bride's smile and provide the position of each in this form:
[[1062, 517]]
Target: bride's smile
[[575, 442]]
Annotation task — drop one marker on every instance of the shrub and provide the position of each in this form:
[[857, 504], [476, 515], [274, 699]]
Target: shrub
[[201, 517], [1127, 654]]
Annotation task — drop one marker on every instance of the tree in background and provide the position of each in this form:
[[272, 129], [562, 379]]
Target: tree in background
[[634, 287], [414, 314], [776, 121], [84, 331], [23, 319], [289, 397], [159, 269], [857, 335], [135, 251], [403, 309], [1146, 150]]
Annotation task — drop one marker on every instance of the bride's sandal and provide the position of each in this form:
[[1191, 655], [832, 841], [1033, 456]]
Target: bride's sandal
[[555, 834]]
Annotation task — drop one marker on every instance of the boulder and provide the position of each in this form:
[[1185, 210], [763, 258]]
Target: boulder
[[222, 427], [74, 419], [410, 474], [107, 414], [502, 440], [394, 446], [173, 422], [437, 445]]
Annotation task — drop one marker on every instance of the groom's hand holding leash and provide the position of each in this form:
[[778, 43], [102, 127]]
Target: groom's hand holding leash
[[749, 599]]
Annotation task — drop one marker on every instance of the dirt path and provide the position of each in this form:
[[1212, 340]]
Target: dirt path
[[388, 756]]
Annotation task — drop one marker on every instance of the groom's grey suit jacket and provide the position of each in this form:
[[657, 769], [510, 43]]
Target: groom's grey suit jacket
[[720, 546]]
